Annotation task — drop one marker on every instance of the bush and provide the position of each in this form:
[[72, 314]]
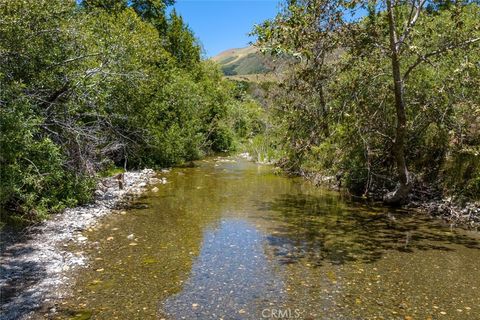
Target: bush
[[34, 180], [108, 85]]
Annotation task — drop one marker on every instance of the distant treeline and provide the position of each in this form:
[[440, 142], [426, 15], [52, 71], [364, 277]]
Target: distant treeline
[[90, 86], [386, 105]]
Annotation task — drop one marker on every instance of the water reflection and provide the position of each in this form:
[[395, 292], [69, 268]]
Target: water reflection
[[231, 279], [351, 261], [321, 229]]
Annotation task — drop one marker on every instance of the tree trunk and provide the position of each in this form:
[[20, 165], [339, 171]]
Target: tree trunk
[[403, 189]]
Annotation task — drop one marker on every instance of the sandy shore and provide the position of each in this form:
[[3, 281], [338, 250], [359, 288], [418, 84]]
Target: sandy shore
[[34, 264]]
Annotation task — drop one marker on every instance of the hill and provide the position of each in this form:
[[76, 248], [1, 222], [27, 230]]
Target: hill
[[243, 61]]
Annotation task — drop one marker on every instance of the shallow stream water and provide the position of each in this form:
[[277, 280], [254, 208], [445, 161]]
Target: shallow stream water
[[229, 239]]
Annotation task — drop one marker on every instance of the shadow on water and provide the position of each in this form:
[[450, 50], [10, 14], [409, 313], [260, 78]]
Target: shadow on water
[[323, 229]]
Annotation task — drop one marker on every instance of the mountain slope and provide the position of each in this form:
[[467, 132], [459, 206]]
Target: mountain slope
[[243, 61]]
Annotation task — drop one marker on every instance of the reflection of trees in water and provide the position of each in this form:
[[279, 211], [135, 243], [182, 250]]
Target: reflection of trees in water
[[231, 279], [169, 226], [325, 229], [332, 256]]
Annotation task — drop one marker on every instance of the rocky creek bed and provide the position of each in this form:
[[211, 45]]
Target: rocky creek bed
[[35, 263]]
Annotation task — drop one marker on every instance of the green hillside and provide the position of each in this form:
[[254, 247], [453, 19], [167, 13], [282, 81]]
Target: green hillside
[[243, 61]]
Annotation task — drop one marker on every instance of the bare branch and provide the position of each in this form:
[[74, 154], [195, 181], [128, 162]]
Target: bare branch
[[414, 14]]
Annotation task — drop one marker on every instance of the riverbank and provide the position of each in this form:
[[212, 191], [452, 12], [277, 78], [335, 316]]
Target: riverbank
[[449, 209], [452, 211], [35, 261]]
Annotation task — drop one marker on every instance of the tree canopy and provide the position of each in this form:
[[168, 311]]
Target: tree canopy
[[386, 102], [87, 87]]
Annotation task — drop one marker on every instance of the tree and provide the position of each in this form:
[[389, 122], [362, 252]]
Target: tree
[[153, 12], [394, 42], [181, 42], [398, 38], [109, 5], [86, 87], [304, 35]]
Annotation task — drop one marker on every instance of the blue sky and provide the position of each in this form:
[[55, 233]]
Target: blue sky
[[224, 24]]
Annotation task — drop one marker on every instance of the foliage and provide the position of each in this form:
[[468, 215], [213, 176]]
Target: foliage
[[33, 179], [337, 103], [181, 42], [87, 87]]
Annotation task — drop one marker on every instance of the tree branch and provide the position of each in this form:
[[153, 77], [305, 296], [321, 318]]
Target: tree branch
[[73, 60], [414, 14], [425, 57]]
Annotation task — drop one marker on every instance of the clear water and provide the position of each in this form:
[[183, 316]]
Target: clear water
[[229, 239]]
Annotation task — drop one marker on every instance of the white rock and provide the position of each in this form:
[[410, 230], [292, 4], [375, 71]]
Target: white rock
[[154, 180]]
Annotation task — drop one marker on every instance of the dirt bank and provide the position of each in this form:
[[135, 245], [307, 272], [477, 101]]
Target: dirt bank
[[34, 262], [453, 212]]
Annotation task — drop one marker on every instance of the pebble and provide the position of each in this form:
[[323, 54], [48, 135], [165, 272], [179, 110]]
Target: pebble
[[99, 193], [154, 180]]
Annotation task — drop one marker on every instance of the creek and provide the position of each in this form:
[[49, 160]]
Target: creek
[[230, 239]]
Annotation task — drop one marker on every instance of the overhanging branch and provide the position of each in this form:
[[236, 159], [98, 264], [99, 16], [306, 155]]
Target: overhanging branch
[[425, 57]]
